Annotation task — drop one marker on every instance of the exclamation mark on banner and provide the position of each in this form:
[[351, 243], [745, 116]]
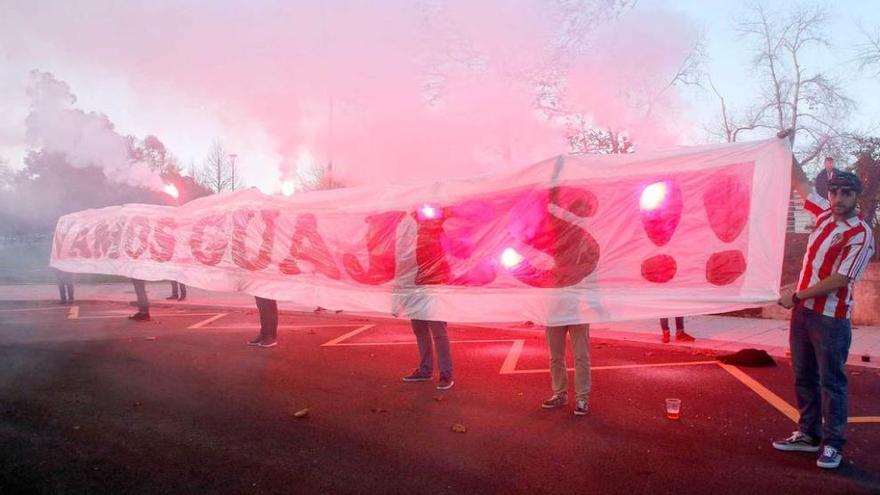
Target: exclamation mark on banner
[[727, 208], [660, 207]]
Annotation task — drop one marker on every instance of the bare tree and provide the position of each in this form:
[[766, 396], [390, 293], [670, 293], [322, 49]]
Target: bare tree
[[868, 52], [793, 97], [316, 178], [216, 174]]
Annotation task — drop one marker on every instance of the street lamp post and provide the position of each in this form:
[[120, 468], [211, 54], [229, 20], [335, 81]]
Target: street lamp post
[[233, 156]]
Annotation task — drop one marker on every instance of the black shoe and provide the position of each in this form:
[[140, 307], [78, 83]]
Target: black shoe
[[445, 383], [139, 316], [558, 400], [182, 298], [798, 442], [581, 407], [417, 376], [171, 298], [256, 341]]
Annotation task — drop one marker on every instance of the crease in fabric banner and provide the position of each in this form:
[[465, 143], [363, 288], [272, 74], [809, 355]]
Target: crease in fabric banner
[[585, 239]]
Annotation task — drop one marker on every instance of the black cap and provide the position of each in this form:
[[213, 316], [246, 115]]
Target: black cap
[[847, 180]]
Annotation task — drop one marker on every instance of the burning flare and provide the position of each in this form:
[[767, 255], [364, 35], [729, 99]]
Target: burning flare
[[510, 258], [288, 188], [171, 190], [653, 196]]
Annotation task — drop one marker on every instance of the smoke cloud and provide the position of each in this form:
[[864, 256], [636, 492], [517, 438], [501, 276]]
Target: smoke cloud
[[398, 90], [86, 139]]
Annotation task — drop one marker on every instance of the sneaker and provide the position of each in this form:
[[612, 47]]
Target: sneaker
[[417, 376], [830, 458], [682, 336], [581, 408], [256, 341], [558, 400], [140, 316], [445, 383], [269, 343], [665, 337], [797, 442]]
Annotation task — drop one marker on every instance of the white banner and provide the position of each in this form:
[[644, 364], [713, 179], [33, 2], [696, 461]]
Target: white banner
[[569, 240]]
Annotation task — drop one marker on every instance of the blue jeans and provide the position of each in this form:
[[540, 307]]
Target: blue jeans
[[424, 329], [819, 349]]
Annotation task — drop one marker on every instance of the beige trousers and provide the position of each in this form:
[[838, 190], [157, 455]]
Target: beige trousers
[[580, 345]]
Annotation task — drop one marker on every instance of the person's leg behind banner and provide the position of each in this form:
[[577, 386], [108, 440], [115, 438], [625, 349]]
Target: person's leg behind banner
[[426, 354], [143, 302], [580, 346], [558, 372], [444, 353], [268, 309]]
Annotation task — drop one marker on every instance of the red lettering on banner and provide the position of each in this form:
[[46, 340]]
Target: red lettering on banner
[[433, 268], [575, 252], [107, 240], [240, 221], [307, 245], [213, 253], [61, 231], [724, 267], [381, 247], [727, 207], [137, 231], [659, 269], [80, 245], [162, 247]]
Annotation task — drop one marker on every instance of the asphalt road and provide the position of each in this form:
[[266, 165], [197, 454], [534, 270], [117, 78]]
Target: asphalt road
[[93, 403]]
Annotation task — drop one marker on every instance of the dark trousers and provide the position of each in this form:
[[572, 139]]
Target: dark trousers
[[679, 323], [178, 290], [424, 331], [140, 290], [819, 348], [65, 287], [268, 318]]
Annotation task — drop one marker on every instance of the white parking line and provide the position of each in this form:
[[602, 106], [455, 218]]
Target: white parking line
[[337, 340], [154, 315], [207, 321]]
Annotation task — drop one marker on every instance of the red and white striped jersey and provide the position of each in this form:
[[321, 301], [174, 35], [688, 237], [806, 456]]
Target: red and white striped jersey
[[843, 247]]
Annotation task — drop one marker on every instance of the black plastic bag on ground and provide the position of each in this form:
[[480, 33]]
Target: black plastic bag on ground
[[754, 358]]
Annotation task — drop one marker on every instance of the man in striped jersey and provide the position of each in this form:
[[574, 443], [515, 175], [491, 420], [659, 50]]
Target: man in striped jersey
[[838, 252]]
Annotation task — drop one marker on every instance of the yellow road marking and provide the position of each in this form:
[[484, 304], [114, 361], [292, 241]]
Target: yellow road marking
[[31, 309], [774, 400], [864, 419], [73, 313]]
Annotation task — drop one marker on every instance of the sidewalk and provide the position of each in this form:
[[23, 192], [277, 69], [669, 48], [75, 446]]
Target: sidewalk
[[716, 333]]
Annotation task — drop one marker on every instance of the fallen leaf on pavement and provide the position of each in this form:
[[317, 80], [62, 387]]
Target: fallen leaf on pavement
[[459, 428], [302, 413]]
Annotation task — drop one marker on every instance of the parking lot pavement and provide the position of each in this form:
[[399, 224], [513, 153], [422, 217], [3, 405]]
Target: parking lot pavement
[[92, 402]]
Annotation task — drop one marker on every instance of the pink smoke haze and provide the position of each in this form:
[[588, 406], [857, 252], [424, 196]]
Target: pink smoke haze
[[391, 91]]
